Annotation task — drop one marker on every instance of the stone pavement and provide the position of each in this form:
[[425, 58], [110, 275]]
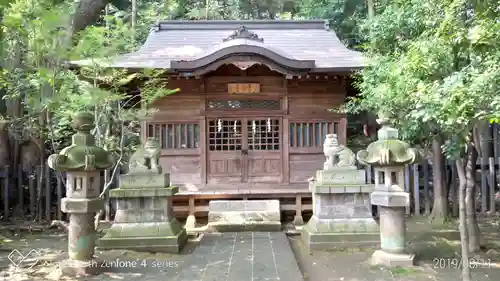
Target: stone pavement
[[242, 256]]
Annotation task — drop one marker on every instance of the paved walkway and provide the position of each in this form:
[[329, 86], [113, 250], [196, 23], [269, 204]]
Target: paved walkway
[[243, 256]]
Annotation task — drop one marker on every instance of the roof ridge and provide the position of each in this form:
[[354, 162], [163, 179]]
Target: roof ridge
[[235, 24]]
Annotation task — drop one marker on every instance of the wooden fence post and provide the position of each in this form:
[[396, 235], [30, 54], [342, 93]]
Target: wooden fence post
[[492, 183], [496, 161], [427, 201], [107, 203], [39, 190], [5, 175], [484, 185], [416, 189], [407, 175], [48, 189], [32, 191], [454, 189], [59, 197], [20, 190]]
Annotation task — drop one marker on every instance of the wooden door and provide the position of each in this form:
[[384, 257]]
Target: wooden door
[[225, 146], [242, 150], [263, 150]]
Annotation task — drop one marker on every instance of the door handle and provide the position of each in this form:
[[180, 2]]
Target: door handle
[[244, 152]]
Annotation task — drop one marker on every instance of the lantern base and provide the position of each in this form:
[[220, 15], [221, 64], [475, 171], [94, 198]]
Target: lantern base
[[380, 257]]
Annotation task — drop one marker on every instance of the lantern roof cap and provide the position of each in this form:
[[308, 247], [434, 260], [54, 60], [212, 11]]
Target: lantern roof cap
[[83, 155], [388, 150]]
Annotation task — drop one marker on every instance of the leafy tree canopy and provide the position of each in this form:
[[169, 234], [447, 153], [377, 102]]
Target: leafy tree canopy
[[433, 66]]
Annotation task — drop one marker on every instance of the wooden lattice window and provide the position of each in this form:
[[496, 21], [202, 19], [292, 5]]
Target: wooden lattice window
[[227, 135], [263, 134], [224, 135], [311, 134], [176, 136], [243, 104]]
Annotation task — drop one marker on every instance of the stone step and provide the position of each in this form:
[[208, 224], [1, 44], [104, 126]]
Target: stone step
[[244, 215], [242, 256]]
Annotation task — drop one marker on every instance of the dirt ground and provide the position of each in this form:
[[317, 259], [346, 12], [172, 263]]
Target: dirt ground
[[437, 250], [437, 253], [51, 250]]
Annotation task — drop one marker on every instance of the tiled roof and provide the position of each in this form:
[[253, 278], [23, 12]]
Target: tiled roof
[[308, 40]]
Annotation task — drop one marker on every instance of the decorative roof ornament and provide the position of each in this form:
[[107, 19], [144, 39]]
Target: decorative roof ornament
[[388, 150], [243, 33], [244, 65], [83, 154]]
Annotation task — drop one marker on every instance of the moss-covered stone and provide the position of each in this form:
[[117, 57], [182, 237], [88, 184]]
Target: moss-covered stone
[[167, 237], [143, 192], [388, 150], [82, 154]]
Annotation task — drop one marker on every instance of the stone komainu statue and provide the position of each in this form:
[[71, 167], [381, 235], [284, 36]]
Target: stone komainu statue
[[147, 158], [337, 155]]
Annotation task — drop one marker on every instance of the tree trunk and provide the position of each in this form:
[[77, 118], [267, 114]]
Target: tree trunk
[[134, 18], [371, 8], [14, 106], [440, 205], [464, 233], [87, 12], [484, 144], [470, 199], [4, 144]]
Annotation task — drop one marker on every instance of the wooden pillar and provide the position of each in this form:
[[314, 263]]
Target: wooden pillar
[[298, 220], [191, 219], [343, 131], [285, 154], [144, 130], [202, 138], [285, 133]]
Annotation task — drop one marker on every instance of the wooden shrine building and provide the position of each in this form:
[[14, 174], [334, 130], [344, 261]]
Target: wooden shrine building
[[254, 100]]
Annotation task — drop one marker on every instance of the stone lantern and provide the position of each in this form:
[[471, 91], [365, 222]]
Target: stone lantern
[[83, 162], [389, 155]]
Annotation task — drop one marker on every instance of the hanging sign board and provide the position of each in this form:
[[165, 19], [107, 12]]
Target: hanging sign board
[[243, 88]]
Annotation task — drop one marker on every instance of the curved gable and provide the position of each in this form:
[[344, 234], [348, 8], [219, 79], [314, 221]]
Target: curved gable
[[243, 43]]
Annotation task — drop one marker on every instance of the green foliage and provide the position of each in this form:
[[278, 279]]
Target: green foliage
[[344, 17], [434, 67], [122, 5], [36, 48], [37, 42], [392, 27], [235, 9]]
